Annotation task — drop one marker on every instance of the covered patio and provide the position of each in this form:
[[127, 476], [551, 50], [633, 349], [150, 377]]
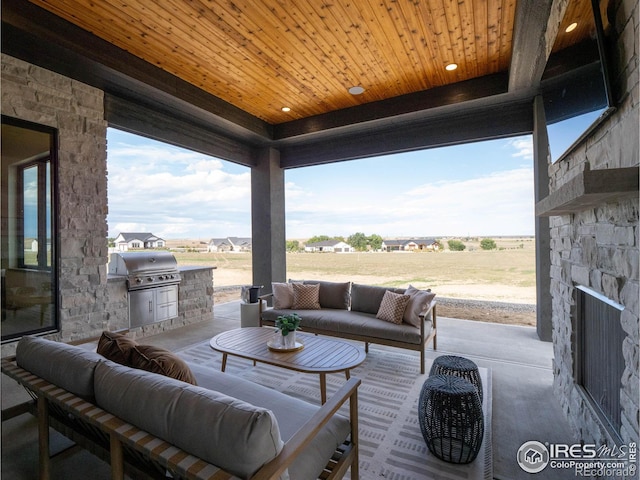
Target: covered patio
[[279, 85]]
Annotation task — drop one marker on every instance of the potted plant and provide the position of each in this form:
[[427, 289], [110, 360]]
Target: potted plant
[[287, 326]]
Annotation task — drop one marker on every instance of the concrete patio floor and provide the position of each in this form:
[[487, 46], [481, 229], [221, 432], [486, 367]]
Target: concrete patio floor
[[524, 407]]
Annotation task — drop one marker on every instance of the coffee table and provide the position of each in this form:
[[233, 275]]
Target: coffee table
[[320, 355]]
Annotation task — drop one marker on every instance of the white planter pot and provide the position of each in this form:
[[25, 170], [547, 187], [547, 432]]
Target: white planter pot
[[289, 340]]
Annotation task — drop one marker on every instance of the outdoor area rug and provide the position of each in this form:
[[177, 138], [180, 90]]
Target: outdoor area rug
[[391, 443]]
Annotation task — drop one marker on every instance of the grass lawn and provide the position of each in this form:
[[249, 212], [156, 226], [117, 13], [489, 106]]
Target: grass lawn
[[506, 274]]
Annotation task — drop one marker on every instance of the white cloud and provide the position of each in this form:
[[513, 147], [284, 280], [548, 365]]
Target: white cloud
[[523, 147], [499, 203], [177, 194], [174, 194]]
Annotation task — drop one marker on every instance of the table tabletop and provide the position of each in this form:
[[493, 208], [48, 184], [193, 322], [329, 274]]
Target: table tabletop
[[319, 354]]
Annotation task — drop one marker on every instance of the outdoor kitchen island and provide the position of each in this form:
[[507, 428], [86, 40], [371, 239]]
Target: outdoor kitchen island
[[194, 301]]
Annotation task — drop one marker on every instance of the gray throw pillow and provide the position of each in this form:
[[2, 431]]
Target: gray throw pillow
[[418, 302], [333, 294], [367, 298]]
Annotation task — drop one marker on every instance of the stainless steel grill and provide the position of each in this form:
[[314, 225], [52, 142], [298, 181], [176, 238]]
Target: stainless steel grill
[[145, 269], [152, 283]]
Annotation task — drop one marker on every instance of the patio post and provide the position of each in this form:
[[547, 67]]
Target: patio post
[[268, 220], [541, 155]]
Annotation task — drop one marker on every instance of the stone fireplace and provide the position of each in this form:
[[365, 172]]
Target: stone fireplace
[[594, 244], [599, 363], [597, 248]]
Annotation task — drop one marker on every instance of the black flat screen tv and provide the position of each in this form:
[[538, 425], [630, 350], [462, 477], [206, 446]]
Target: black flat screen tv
[[575, 85]]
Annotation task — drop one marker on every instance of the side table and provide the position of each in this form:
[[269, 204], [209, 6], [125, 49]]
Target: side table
[[459, 367], [451, 418], [249, 314]]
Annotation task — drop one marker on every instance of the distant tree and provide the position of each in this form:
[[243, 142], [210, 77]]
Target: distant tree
[[358, 241], [488, 244], [318, 238], [293, 246], [375, 241], [456, 245], [437, 245], [111, 241]]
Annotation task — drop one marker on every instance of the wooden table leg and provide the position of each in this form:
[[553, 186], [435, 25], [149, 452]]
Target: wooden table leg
[[347, 374], [224, 362], [323, 388]]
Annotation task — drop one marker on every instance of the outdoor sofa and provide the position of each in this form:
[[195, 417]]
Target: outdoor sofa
[[147, 424], [357, 312]]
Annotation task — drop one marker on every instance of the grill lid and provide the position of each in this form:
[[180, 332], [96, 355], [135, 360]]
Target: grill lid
[[136, 263], [145, 269]]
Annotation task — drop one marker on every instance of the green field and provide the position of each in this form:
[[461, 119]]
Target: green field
[[505, 274]]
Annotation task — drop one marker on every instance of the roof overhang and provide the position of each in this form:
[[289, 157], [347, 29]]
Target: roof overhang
[[144, 99]]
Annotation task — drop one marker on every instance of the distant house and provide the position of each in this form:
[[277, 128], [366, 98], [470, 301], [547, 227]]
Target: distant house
[[34, 245], [138, 241], [219, 245], [410, 245], [229, 244], [333, 246]]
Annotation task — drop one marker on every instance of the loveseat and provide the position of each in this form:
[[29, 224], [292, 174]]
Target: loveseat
[[148, 425], [404, 318]]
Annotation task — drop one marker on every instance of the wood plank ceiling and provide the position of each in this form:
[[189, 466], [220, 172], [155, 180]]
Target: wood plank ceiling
[[213, 75], [264, 55]]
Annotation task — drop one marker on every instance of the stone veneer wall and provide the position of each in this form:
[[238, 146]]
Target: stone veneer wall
[[598, 247], [89, 303], [76, 110]]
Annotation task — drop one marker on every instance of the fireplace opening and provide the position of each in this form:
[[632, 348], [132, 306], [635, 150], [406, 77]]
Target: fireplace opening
[[599, 363]]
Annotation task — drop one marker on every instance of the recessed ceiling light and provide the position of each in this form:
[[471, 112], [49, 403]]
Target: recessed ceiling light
[[356, 90], [286, 109], [451, 67], [571, 27]]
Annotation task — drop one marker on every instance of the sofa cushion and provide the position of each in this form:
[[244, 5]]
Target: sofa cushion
[[291, 413], [354, 323], [158, 360], [282, 295], [332, 294], [367, 298], [306, 297], [419, 301], [392, 307], [229, 433], [67, 366], [116, 347]]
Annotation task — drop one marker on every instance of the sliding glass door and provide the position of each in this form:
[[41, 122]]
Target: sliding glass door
[[28, 247]]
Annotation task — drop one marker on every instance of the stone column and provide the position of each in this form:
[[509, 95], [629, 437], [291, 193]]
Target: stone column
[[541, 156], [268, 220]]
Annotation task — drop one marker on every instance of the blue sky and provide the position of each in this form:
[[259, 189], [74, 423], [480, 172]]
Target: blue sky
[[479, 189]]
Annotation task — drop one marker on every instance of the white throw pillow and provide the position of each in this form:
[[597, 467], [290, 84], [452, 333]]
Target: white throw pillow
[[282, 295], [419, 300]]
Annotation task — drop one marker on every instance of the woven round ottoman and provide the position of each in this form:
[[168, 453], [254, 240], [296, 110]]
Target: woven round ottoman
[[451, 418], [459, 367]]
